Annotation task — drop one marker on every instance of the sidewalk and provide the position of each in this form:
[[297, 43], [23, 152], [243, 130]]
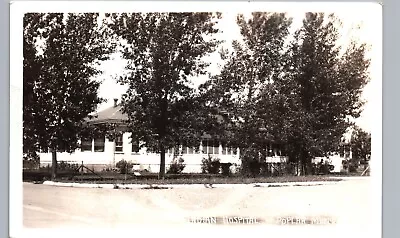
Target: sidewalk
[[177, 186]]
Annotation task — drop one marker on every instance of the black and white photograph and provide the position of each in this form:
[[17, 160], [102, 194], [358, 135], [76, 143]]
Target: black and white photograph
[[187, 115]]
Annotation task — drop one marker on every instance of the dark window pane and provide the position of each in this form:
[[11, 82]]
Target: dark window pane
[[86, 145], [119, 143], [211, 147], [99, 144], [135, 146], [215, 145]]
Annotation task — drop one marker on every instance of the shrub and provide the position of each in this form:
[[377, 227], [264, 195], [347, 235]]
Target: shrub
[[322, 168], [225, 168], [64, 166], [251, 168], [350, 165], [255, 168], [30, 164], [31, 161], [353, 167], [177, 166], [124, 166], [250, 165], [210, 165]]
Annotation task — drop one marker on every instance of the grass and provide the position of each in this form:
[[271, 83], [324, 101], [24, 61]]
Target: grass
[[204, 180], [151, 178]]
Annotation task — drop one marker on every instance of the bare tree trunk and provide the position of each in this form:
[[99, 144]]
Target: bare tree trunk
[[161, 175], [53, 164]]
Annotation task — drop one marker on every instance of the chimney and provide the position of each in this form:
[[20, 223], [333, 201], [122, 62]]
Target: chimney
[[115, 102]]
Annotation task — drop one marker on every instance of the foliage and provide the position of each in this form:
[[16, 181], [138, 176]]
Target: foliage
[[64, 166], [351, 165], [360, 143], [30, 162], [247, 70], [226, 169], [163, 50], [177, 166], [210, 165], [322, 168], [61, 53], [299, 91], [326, 88], [124, 166]]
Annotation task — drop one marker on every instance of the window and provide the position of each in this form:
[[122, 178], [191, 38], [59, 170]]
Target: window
[[135, 146], [211, 147], [215, 145], [205, 147], [186, 149], [86, 145], [99, 144], [119, 144]]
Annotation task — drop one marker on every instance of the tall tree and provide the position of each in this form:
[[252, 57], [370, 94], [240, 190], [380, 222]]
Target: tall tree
[[245, 80], [360, 143], [327, 86], [32, 65], [163, 50], [61, 91], [301, 94]]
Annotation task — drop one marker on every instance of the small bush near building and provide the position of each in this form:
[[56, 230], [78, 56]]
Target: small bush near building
[[351, 165], [210, 165], [251, 168], [322, 168], [31, 161], [254, 168], [177, 166], [226, 169], [30, 164], [124, 166], [64, 166]]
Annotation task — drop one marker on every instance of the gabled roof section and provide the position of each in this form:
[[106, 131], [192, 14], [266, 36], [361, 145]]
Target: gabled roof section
[[110, 115]]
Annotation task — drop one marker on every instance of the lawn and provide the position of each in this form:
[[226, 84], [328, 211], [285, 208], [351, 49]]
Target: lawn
[[218, 180], [151, 178]]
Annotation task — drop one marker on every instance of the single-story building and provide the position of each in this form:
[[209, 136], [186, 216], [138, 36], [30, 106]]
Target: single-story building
[[102, 153]]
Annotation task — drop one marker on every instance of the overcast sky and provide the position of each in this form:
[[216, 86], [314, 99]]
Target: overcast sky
[[368, 17]]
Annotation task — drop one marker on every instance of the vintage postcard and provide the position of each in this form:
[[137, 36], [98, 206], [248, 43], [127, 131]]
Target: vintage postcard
[[175, 117]]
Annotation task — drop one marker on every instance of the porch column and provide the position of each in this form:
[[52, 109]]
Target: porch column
[[201, 148], [126, 145], [351, 154]]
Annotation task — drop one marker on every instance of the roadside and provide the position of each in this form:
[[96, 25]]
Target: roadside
[[345, 202], [192, 185], [205, 183]]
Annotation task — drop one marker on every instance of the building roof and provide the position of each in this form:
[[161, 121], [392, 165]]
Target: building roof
[[114, 115], [110, 115]]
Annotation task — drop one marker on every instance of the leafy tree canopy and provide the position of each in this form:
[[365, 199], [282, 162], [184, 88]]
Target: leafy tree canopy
[[163, 50], [61, 53]]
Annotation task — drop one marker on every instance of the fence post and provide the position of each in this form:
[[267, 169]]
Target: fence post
[[82, 170]]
